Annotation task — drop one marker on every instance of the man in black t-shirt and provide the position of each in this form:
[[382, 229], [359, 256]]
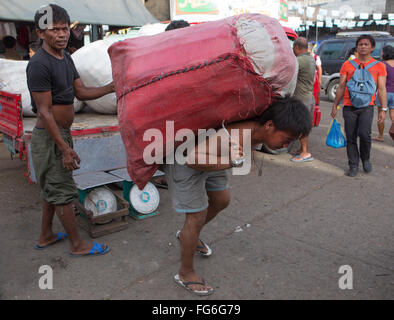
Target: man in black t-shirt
[[53, 82]]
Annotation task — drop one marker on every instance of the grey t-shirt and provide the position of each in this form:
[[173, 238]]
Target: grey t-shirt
[[306, 77]]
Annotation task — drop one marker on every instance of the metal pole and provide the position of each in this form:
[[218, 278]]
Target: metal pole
[[95, 32]]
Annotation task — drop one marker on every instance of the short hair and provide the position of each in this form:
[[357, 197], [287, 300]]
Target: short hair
[[34, 45], [288, 114], [368, 37], [59, 14], [351, 52], [301, 43], [9, 42], [177, 24], [388, 53]]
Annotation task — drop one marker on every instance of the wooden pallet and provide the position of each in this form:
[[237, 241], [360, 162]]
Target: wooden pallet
[[99, 226]]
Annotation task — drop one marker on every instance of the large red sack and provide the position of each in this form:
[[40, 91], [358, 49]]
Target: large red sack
[[229, 69]]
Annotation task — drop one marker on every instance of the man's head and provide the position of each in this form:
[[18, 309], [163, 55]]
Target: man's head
[[365, 44], [9, 42], [177, 24], [388, 53], [53, 26], [300, 46], [284, 121], [33, 47]]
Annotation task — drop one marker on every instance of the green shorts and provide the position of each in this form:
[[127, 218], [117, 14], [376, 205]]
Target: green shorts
[[56, 183], [189, 187]]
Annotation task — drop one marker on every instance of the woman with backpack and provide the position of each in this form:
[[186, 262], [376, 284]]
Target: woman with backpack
[[388, 61], [359, 79]]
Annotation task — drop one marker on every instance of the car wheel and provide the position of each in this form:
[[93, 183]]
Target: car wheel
[[332, 89]]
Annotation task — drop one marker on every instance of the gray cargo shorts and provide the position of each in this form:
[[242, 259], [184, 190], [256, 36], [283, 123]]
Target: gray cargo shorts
[[189, 187], [310, 105], [56, 183]]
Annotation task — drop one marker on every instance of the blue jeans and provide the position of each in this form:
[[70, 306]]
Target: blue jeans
[[358, 123]]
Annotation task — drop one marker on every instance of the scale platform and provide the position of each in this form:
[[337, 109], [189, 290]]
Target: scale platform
[[143, 204]]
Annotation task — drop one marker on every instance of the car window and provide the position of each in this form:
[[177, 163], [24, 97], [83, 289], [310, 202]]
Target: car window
[[349, 45], [389, 43], [376, 54], [331, 50]]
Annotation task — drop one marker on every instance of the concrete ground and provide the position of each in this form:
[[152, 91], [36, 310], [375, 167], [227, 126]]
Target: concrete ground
[[297, 225]]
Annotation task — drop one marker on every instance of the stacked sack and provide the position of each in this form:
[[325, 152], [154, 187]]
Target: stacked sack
[[94, 67], [198, 76], [13, 79]]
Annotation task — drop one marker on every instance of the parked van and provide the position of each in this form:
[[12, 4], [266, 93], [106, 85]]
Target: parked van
[[334, 52]]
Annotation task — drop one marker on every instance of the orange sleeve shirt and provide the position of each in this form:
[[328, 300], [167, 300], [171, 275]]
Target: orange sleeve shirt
[[378, 70]]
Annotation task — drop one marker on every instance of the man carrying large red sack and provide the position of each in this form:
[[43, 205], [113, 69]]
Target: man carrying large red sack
[[230, 70], [199, 188]]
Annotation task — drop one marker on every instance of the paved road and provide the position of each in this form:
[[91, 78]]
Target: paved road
[[300, 223]]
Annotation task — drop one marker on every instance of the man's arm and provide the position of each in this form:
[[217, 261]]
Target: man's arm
[[90, 93], [211, 156], [43, 102], [382, 94], [339, 95], [320, 73]]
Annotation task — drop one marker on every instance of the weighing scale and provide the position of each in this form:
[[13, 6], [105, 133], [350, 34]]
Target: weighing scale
[[143, 204]]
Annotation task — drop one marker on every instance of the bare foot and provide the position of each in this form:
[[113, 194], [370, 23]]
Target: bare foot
[[83, 248], [193, 277], [48, 239]]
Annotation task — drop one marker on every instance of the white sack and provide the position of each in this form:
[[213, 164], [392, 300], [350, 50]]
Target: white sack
[[13, 79]]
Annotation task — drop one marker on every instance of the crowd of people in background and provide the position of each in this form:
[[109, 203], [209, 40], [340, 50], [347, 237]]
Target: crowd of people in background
[[23, 47]]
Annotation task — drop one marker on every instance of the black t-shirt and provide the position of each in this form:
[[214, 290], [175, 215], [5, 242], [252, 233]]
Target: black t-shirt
[[47, 73]]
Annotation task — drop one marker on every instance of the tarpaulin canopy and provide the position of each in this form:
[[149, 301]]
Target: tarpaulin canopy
[[103, 12]]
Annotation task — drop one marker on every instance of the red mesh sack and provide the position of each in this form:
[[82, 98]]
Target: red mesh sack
[[197, 77]]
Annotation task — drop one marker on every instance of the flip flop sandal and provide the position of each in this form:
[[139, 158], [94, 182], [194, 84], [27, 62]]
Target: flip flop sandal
[[298, 159], [60, 237], [186, 285], [97, 250], [198, 248]]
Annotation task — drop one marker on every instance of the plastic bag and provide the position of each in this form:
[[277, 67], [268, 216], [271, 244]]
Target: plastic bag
[[335, 136]]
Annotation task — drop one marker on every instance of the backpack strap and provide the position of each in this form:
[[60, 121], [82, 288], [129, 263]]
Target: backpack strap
[[354, 64], [372, 64]]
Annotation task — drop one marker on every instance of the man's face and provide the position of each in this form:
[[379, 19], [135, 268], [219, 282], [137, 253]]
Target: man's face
[[57, 37], [364, 47], [276, 139]]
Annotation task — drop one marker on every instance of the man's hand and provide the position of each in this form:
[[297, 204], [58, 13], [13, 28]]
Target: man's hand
[[381, 116], [69, 159], [334, 111], [236, 151]]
